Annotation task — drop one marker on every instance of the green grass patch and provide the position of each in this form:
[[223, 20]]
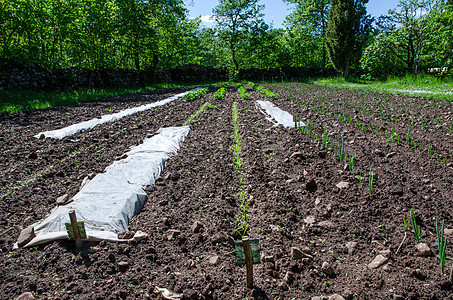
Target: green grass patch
[[412, 85], [12, 101]]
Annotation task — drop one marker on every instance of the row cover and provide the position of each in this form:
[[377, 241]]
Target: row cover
[[75, 128], [109, 201], [281, 117]]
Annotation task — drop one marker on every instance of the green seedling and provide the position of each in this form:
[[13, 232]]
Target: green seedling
[[415, 227], [370, 181], [430, 151], [405, 224], [442, 245], [195, 114]]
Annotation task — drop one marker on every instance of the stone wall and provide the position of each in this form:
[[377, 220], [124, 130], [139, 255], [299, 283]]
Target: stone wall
[[31, 76]]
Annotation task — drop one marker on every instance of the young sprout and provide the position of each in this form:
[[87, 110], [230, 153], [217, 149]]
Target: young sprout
[[442, 245], [370, 181], [414, 225], [405, 224]]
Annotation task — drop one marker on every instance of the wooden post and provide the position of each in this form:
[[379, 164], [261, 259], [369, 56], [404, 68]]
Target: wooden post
[[75, 229], [248, 261]]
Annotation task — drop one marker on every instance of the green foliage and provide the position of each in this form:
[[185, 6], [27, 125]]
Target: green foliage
[[346, 33], [236, 18], [442, 245], [307, 25], [415, 85], [243, 92], [242, 217], [23, 100], [199, 111], [219, 94], [194, 95], [410, 42], [96, 34], [415, 227], [263, 90]]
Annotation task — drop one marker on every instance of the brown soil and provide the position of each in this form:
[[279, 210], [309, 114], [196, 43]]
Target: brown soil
[[200, 183]]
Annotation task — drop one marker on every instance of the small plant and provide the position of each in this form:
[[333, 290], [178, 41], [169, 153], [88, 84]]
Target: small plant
[[430, 150], [194, 95], [219, 94], [405, 224], [415, 227], [242, 92], [343, 155], [263, 90], [370, 181], [442, 245], [196, 113]]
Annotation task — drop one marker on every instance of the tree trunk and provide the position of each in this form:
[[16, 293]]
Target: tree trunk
[[346, 73], [233, 56], [346, 70]]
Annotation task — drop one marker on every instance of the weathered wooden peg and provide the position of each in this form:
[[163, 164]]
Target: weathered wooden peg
[[248, 261], [75, 229]]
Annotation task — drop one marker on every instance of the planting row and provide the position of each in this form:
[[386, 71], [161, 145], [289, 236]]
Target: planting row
[[421, 124]]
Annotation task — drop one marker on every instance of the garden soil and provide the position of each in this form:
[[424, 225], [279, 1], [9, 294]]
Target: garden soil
[[317, 236]]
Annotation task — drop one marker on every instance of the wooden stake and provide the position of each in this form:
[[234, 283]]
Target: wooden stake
[[248, 261], [75, 229]]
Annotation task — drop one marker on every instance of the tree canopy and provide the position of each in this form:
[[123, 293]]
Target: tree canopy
[[158, 34]]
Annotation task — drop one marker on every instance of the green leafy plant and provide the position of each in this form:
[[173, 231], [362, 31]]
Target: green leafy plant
[[263, 90], [442, 245], [415, 226], [194, 95], [242, 92], [220, 94]]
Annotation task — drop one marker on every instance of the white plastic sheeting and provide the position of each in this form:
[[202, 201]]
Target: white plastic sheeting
[[280, 116], [73, 129], [109, 201]]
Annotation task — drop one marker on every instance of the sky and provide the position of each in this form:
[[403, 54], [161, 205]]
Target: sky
[[275, 10]]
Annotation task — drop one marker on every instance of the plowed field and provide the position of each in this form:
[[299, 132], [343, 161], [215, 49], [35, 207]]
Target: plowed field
[[321, 220]]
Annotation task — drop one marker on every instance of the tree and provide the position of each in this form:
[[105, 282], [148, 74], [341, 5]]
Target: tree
[[410, 41], [309, 19], [234, 19], [347, 26]]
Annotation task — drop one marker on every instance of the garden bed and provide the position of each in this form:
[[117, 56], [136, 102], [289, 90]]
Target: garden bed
[[289, 180]]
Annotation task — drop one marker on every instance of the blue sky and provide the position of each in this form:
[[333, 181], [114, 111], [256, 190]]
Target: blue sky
[[276, 10]]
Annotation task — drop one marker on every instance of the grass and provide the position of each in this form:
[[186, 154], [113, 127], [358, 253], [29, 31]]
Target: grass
[[13, 101], [413, 85]]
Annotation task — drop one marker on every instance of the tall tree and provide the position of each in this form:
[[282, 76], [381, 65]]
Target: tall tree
[[309, 18], [234, 19], [410, 41], [348, 23]]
